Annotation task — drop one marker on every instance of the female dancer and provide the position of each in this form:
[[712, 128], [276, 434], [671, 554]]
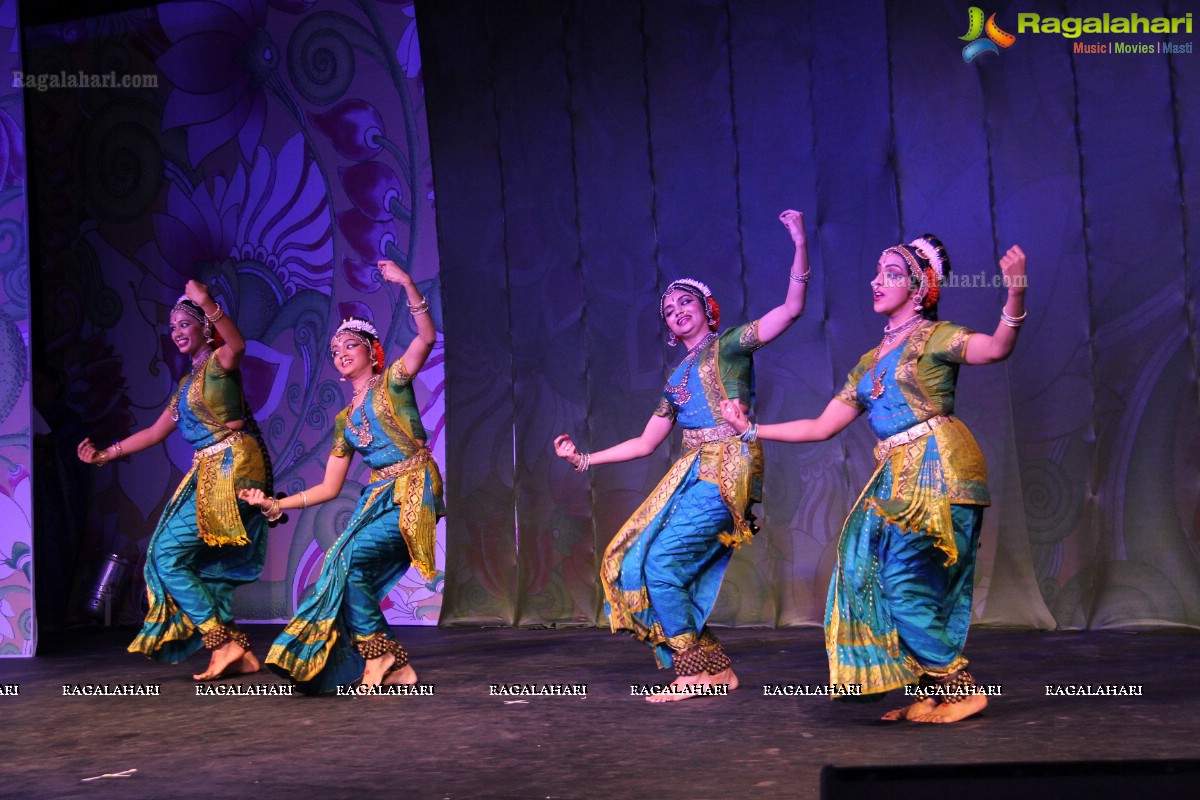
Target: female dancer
[[662, 572], [206, 542], [900, 598], [339, 633]]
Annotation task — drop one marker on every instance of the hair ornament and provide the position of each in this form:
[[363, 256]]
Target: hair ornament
[[930, 249], [689, 283], [358, 325]]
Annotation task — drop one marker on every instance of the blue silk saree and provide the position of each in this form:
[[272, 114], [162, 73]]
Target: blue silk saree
[[207, 541], [899, 600], [392, 528], [663, 570]]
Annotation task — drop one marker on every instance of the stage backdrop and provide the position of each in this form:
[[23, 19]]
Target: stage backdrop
[[17, 623], [275, 151], [586, 152]]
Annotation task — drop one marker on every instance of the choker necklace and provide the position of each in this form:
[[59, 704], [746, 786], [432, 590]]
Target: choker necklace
[[366, 387], [901, 331], [200, 360], [365, 437], [680, 393], [890, 333]]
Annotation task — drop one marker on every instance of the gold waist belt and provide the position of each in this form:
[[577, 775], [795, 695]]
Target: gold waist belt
[[415, 461], [693, 438], [925, 428], [226, 443]]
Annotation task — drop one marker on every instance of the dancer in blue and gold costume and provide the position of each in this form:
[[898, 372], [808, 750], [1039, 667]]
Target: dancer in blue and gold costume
[[900, 597], [207, 542], [339, 634], [662, 572]]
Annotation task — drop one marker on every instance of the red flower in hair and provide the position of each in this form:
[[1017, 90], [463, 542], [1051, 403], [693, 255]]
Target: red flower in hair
[[931, 297], [714, 311], [377, 356]]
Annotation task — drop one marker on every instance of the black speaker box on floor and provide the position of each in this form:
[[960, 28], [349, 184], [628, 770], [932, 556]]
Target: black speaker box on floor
[[1095, 780]]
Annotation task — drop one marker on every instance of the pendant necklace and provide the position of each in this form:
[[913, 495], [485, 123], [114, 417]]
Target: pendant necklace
[[680, 393], [364, 434], [890, 335], [197, 365]]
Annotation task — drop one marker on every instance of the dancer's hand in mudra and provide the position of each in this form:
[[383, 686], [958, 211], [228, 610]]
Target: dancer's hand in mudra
[[1012, 267], [391, 272], [732, 411], [88, 453], [794, 221], [565, 449], [197, 292], [255, 497]]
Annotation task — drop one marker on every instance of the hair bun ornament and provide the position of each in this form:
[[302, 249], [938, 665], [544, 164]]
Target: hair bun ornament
[[930, 248]]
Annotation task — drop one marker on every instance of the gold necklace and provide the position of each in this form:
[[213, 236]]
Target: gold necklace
[[680, 393], [906, 329], [370, 382], [197, 365], [364, 434]]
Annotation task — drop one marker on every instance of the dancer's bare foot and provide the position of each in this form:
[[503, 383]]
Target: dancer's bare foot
[[953, 712], [229, 659], [682, 688], [376, 669], [405, 676], [919, 708], [725, 677], [686, 687]]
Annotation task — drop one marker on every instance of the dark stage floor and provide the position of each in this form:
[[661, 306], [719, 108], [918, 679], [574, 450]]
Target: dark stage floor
[[463, 743]]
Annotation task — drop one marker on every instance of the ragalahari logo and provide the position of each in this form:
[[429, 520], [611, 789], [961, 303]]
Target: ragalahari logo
[[996, 38]]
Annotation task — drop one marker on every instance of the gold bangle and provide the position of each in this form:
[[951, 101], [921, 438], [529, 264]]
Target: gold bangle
[[273, 511], [120, 451], [216, 316], [303, 500]]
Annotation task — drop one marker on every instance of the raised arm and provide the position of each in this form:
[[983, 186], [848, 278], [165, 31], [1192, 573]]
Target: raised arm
[[336, 469], [230, 353], [984, 349], [421, 346], [639, 447], [779, 319], [833, 420], [147, 437]]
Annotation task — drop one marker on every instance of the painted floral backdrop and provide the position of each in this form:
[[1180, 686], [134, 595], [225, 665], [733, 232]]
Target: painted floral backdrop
[[274, 150], [17, 626]]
